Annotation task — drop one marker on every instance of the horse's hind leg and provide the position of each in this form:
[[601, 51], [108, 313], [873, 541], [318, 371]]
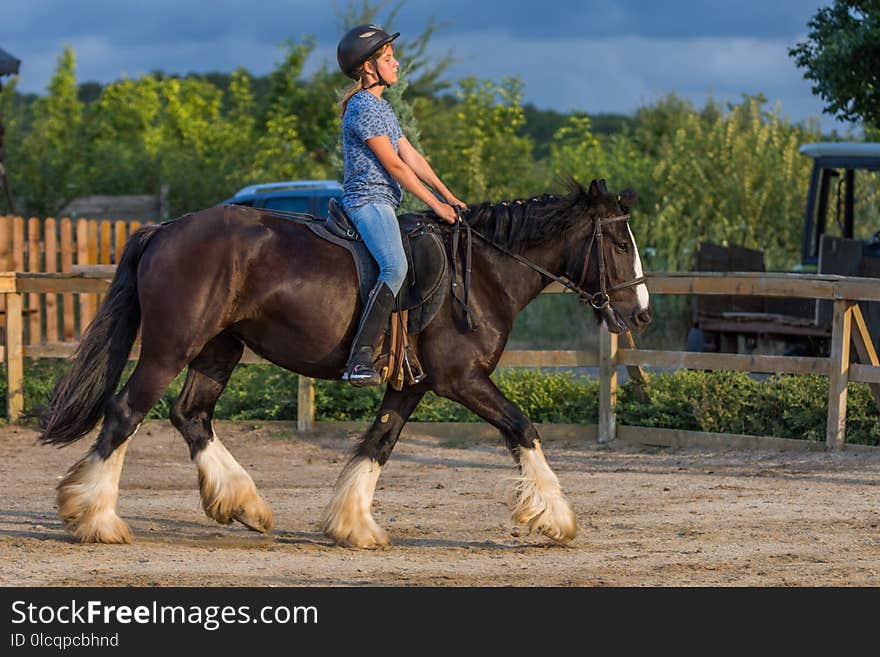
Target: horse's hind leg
[[539, 503], [88, 493], [228, 493], [348, 519]]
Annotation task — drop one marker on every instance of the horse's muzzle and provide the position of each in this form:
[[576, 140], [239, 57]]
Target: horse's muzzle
[[640, 320]]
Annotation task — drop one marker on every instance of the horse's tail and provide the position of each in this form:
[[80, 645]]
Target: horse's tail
[[77, 402]]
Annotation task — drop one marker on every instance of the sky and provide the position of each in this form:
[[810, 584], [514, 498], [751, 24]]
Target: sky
[[590, 55]]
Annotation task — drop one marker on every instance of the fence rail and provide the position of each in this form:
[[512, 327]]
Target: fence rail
[[848, 328]]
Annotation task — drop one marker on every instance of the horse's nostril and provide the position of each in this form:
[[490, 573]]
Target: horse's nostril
[[644, 317]]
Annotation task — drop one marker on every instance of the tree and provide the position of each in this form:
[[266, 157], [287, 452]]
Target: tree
[[842, 57], [51, 169], [736, 178], [477, 147], [123, 139]]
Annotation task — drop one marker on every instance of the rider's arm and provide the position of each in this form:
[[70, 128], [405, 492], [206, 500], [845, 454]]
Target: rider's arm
[[420, 166], [407, 178]]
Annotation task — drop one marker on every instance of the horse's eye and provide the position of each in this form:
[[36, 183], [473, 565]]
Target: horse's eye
[[621, 247]]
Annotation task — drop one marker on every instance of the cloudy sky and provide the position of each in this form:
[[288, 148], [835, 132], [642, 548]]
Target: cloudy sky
[[590, 55]]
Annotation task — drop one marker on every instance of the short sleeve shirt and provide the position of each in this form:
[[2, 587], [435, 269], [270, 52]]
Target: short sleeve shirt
[[365, 179]]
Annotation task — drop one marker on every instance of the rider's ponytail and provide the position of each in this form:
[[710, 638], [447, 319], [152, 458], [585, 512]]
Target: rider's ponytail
[[348, 93]]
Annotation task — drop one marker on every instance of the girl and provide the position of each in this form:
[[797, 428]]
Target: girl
[[378, 160]]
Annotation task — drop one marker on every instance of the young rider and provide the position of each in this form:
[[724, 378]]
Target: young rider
[[378, 161]]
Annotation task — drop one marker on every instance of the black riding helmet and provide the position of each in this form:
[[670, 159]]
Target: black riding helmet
[[359, 45]]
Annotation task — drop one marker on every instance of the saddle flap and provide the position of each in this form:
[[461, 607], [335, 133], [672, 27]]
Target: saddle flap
[[428, 267], [338, 222]]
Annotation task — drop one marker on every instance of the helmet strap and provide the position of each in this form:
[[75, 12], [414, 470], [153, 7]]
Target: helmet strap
[[380, 81]]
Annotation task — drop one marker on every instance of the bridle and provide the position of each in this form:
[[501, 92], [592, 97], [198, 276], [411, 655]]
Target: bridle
[[600, 301]]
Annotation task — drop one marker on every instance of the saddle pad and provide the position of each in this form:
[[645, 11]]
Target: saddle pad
[[423, 291]]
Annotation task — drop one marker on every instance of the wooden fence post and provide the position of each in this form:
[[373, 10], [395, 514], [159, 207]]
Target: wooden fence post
[[305, 405], [14, 357], [841, 329], [865, 347], [607, 385]]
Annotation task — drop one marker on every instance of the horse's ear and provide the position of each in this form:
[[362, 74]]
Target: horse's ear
[[628, 199], [602, 187], [595, 192]]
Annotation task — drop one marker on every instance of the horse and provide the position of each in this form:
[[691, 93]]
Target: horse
[[201, 287]]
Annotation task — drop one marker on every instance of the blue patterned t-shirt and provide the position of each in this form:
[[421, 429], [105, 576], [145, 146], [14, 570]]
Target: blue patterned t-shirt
[[366, 180]]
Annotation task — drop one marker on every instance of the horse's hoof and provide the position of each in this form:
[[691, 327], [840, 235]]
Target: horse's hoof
[[563, 532], [108, 528], [555, 520], [258, 518], [367, 535], [237, 499]]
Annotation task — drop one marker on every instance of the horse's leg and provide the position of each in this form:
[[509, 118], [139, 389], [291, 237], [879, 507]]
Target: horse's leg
[[539, 503], [348, 519], [228, 493], [88, 493]]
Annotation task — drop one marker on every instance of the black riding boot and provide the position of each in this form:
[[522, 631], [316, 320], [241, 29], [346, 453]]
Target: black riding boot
[[359, 370]]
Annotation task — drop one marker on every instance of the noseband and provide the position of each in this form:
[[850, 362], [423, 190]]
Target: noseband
[[600, 301]]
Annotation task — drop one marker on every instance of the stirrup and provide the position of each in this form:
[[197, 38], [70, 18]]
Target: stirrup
[[360, 375], [412, 368]]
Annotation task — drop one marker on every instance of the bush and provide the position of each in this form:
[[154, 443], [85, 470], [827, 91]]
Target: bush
[[784, 406], [725, 402]]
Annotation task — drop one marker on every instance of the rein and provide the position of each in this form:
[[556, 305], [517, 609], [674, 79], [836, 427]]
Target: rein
[[461, 293], [599, 301]]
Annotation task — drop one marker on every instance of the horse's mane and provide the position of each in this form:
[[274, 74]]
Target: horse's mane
[[522, 223]]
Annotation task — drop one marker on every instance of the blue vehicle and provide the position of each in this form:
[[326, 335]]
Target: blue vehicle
[[311, 196]]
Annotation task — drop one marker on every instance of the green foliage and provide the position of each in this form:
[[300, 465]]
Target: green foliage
[[784, 406], [551, 396], [735, 177], [50, 171], [477, 149], [840, 57], [694, 400], [729, 176]]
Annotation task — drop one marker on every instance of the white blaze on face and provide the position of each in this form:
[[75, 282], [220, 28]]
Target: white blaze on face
[[641, 288]]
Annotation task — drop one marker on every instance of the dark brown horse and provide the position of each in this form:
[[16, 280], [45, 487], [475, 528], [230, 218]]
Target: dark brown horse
[[202, 287]]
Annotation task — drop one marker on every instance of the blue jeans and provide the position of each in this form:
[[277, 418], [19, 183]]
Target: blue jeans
[[377, 224]]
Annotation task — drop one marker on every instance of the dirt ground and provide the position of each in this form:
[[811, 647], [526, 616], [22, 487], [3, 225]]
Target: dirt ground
[[647, 517]]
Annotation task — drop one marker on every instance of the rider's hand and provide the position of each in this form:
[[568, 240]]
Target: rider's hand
[[445, 212], [454, 201]]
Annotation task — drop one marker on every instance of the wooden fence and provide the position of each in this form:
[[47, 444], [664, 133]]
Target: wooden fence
[[62, 245], [848, 327]]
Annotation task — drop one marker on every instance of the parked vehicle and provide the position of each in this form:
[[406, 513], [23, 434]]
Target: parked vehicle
[[844, 191], [311, 196]]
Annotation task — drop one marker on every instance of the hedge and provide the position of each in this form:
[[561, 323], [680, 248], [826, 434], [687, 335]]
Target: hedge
[[786, 406]]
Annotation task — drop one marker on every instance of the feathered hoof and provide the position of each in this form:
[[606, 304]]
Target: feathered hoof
[[551, 517], [103, 528], [87, 499], [258, 517], [235, 497], [364, 534]]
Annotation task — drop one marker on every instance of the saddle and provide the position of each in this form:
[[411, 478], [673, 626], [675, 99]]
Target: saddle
[[421, 295]]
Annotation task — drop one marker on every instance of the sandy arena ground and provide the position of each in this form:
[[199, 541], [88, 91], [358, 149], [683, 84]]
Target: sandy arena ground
[[648, 517]]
